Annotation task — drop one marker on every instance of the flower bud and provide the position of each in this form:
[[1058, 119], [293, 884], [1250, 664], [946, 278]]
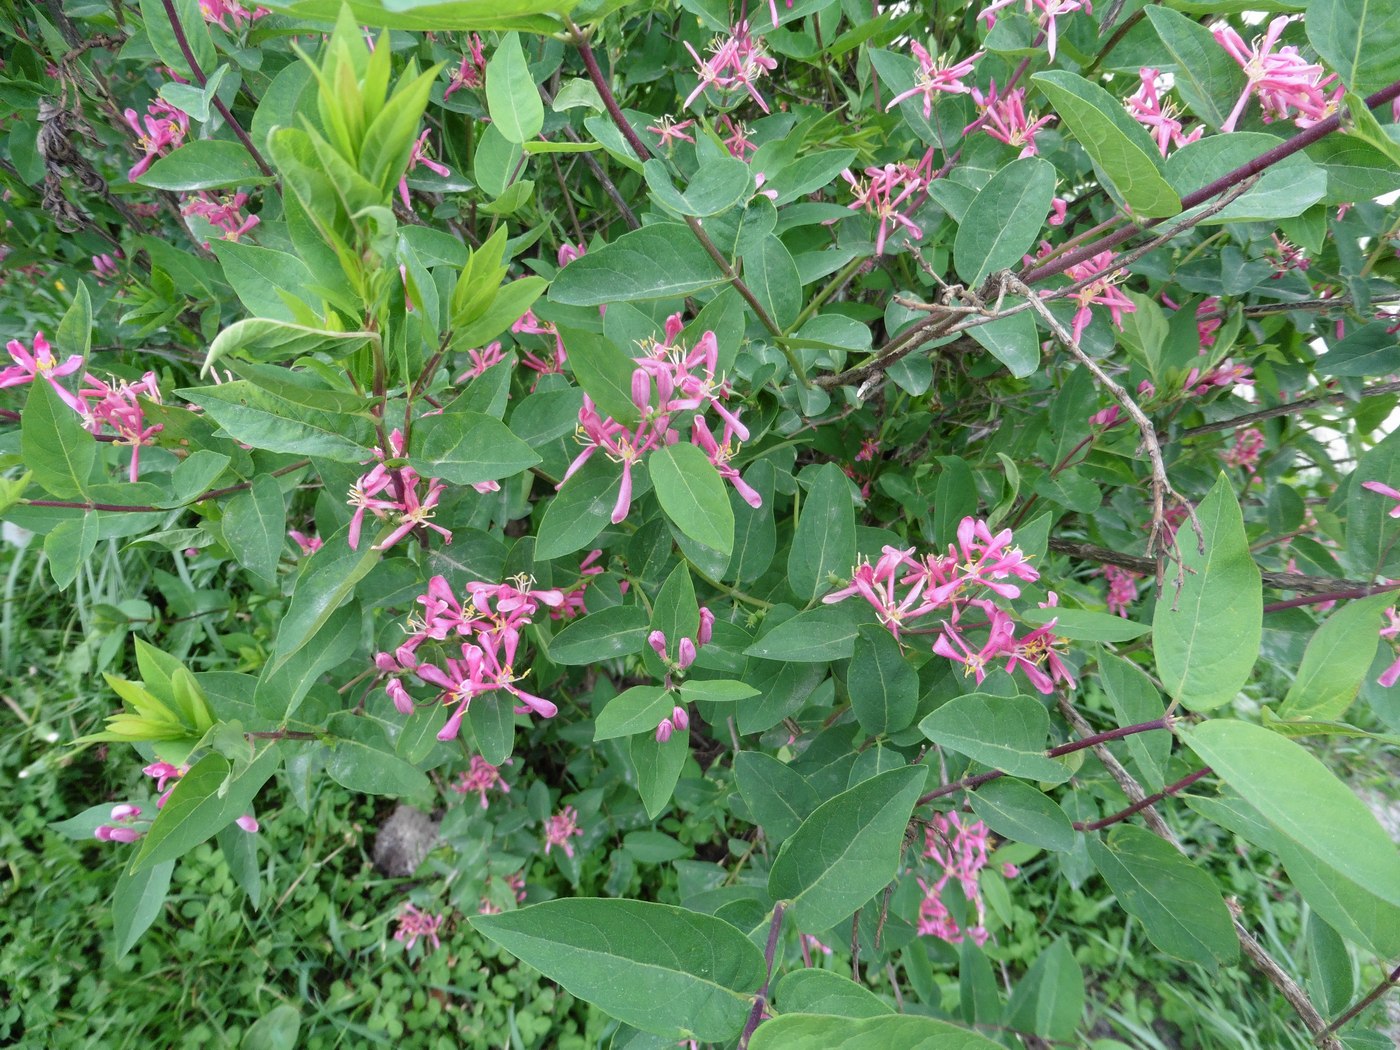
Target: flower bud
[[125, 812], [707, 626], [681, 718], [403, 703], [664, 730], [657, 640], [685, 653], [248, 823]]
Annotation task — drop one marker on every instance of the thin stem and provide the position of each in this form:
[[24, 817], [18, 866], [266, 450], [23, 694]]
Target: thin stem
[[760, 1001], [968, 783], [1334, 596], [1142, 803], [283, 734], [1289, 409], [179, 30], [1375, 993]]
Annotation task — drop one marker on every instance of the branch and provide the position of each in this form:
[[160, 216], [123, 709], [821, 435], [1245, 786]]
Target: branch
[[760, 1001], [1289, 409], [229, 119], [1375, 993], [1323, 588], [1142, 803], [1161, 540]]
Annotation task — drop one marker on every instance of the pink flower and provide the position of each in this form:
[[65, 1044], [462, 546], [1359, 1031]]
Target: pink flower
[[669, 132], [1157, 116], [119, 409], [222, 211], [773, 10], [560, 828], [1283, 80], [471, 72], [161, 129], [1100, 290], [736, 62], [41, 362], [1059, 208], [481, 778], [1387, 491], [481, 360], [215, 11], [1122, 588], [884, 191], [417, 157], [413, 924], [1007, 120], [936, 75], [1246, 450]]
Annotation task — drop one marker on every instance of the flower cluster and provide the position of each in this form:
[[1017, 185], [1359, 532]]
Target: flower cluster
[[222, 211], [1246, 450], [1159, 117], [1225, 374], [1004, 117], [215, 11], [686, 650], [161, 129], [885, 190], [904, 589], [413, 924], [668, 379], [481, 778], [1099, 277], [559, 828], [471, 71], [1122, 588], [127, 825], [490, 622], [958, 849], [936, 75], [1285, 83], [384, 491], [114, 406], [734, 63], [529, 324]]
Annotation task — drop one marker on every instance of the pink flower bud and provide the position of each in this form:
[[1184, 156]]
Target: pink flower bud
[[681, 718], [707, 626], [674, 327], [657, 640], [664, 730], [685, 653], [248, 823], [403, 703], [386, 662], [125, 812]]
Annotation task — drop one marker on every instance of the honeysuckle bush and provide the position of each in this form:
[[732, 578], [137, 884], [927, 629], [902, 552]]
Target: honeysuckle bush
[[784, 479]]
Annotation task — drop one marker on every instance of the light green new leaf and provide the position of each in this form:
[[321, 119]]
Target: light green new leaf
[[1303, 800], [1359, 39], [511, 96], [692, 494], [1004, 219], [661, 261], [665, 970], [822, 1032], [1336, 661], [824, 545], [847, 850], [1123, 153], [1005, 732], [1206, 636], [1179, 904]]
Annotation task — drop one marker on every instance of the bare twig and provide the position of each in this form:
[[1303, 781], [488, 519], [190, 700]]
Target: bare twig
[[1292, 408]]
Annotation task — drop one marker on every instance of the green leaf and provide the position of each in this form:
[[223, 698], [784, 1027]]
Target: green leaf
[[290, 419], [74, 335], [1049, 1000], [275, 1030], [255, 527], [573, 518], [1329, 968], [1123, 154], [604, 371], [658, 767], [1370, 350], [772, 276], [1360, 39], [822, 1032], [1336, 661], [1136, 700], [1003, 732], [692, 494], [884, 686], [716, 691], [827, 992], [326, 582], [675, 612], [262, 277], [638, 710], [435, 15], [1284, 190], [492, 718], [507, 307], [68, 546], [1004, 219], [1019, 812], [196, 33], [719, 184], [511, 96], [661, 261], [467, 448], [137, 903], [362, 759], [281, 689], [1206, 636], [779, 798], [665, 970], [824, 544], [603, 635], [203, 164], [54, 444], [205, 800], [825, 633], [1303, 800], [1179, 905], [1081, 625], [847, 850], [191, 100], [1372, 535], [1206, 77], [264, 339], [1011, 340]]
